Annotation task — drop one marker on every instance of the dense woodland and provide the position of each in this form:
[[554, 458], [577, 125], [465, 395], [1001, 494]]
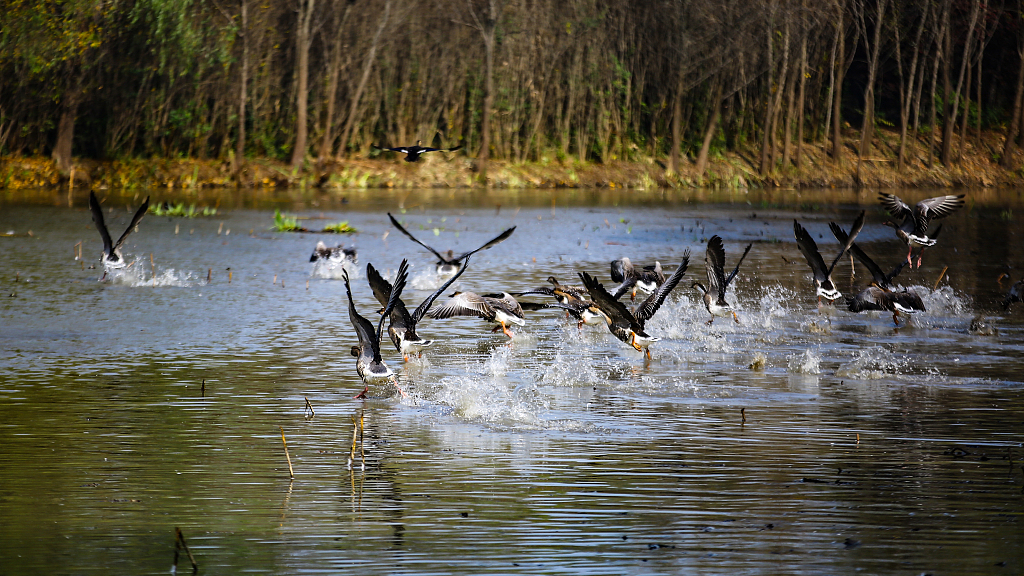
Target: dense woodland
[[306, 81]]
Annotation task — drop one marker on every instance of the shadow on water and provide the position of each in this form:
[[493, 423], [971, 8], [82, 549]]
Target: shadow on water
[[795, 441]]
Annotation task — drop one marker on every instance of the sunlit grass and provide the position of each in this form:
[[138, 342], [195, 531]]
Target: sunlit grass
[[179, 210], [285, 223], [340, 228]]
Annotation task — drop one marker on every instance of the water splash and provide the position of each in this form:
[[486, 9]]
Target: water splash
[[135, 276], [332, 269], [808, 362], [871, 364]]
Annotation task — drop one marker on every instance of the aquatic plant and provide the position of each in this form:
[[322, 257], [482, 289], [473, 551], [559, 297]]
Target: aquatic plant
[[179, 210], [340, 228], [284, 223]]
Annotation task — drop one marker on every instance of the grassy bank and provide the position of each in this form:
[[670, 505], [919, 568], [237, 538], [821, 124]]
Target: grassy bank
[[977, 167]]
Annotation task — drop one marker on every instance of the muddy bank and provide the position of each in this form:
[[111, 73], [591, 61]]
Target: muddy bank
[[977, 167]]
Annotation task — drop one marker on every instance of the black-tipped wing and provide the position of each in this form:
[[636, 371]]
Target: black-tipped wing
[[413, 238], [810, 252], [876, 272], [895, 206], [97, 218], [135, 222], [614, 309], [496, 240], [736, 270], [655, 300], [714, 262], [421, 310], [464, 304], [368, 340], [396, 293], [378, 284], [403, 150], [858, 224]]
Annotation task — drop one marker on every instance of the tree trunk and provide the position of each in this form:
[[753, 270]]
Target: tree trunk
[[243, 90], [709, 134], [66, 128], [769, 105], [677, 121], [485, 123], [1009, 147], [800, 101], [907, 94], [837, 94], [868, 124], [302, 43], [953, 98]]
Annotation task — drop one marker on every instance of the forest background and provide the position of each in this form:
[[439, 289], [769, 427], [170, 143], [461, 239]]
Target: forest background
[[537, 92]]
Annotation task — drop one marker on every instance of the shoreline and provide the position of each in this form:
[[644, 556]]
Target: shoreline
[[977, 168]]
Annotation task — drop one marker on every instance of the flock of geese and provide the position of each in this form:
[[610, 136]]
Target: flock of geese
[[593, 303]]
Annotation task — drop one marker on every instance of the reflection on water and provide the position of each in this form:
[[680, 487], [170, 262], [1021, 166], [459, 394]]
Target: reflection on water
[[796, 441]]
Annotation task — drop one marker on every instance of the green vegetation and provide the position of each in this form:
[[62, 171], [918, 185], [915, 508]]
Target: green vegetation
[[340, 228], [179, 210], [285, 223]]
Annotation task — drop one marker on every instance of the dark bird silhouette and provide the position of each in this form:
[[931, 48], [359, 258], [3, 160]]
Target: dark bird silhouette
[[413, 153], [646, 279], [575, 300], [1014, 295], [823, 275], [112, 257], [369, 364], [714, 294], [402, 328], [501, 309], [629, 326], [448, 263], [913, 226], [334, 254]]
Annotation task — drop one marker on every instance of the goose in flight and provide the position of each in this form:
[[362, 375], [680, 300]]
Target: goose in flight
[[112, 257], [501, 309], [913, 228], [448, 263], [412, 153], [823, 285], [402, 328], [714, 294], [369, 364], [629, 326]]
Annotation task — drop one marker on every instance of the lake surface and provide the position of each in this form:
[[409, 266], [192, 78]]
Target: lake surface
[[798, 441]]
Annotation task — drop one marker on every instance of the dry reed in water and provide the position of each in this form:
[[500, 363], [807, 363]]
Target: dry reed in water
[[179, 544], [291, 472]]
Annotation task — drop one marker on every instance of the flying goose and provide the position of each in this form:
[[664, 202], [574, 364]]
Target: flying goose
[[402, 328], [913, 228], [629, 326], [646, 279], [412, 153], [501, 309], [369, 363], [449, 263], [714, 294], [823, 276], [112, 257]]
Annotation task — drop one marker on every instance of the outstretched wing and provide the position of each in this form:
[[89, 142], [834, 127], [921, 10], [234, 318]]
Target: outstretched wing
[[402, 150], [364, 329], [97, 218], [810, 252], [854, 230], [496, 240], [895, 206], [941, 206], [655, 300], [135, 222], [614, 309], [396, 294], [464, 304], [736, 270], [413, 238], [714, 262], [876, 272], [421, 310]]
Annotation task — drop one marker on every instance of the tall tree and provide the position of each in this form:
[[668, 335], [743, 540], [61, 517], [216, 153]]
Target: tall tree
[[303, 40]]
